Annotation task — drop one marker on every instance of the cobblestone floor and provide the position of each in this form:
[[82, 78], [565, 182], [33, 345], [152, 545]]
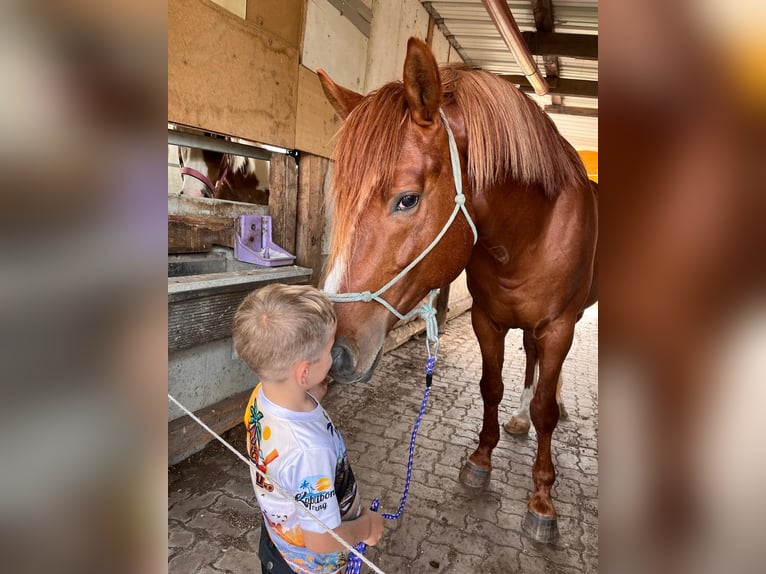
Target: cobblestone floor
[[214, 524]]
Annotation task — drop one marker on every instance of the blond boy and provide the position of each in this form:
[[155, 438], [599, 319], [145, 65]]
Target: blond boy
[[285, 335]]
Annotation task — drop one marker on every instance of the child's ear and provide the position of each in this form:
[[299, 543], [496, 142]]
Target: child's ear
[[301, 372]]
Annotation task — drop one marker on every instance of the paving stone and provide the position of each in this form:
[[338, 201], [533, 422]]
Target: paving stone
[[239, 562], [185, 509], [204, 552], [501, 560], [214, 524], [178, 538]]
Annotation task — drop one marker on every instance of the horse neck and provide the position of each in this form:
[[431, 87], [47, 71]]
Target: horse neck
[[516, 216]]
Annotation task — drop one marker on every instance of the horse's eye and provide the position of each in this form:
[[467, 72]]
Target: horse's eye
[[407, 202]]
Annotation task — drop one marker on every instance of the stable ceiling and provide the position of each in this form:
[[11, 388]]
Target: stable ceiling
[[562, 36]]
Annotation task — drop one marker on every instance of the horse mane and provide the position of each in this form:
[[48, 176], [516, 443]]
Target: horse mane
[[238, 163], [508, 136]]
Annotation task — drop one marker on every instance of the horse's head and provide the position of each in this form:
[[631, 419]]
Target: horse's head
[[393, 194], [204, 172]]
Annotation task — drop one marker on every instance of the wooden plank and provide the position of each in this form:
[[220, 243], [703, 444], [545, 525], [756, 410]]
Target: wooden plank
[[202, 206], [185, 436], [283, 18], [229, 76], [572, 110], [560, 86], [393, 23], [202, 285], [201, 308], [316, 122], [442, 305], [283, 200], [583, 46], [311, 213], [193, 234]]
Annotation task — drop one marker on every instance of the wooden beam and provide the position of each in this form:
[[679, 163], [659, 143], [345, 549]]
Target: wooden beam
[[560, 86], [543, 13], [584, 46], [572, 110], [186, 437], [195, 234], [442, 306], [283, 200], [312, 172], [201, 307]]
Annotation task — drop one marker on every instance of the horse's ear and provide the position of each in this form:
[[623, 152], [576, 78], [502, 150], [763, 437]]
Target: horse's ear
[[422, 83], [342, 99]]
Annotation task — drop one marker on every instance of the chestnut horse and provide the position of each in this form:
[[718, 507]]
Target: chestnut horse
[[524, 230]]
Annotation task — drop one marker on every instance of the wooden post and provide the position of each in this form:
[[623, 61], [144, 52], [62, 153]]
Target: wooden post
[[442, 306], [312, 172], [283, 199]]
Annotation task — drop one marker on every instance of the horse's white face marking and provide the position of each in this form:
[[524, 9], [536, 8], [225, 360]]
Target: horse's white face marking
[[332, 282], [193, 159]]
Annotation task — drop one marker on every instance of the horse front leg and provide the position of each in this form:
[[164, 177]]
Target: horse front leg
[[553, 343], [476, 470]]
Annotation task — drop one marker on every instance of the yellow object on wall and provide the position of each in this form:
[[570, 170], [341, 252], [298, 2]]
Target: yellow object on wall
[[590, 159]]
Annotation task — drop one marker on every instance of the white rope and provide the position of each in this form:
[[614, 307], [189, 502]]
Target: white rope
[[277, 487]]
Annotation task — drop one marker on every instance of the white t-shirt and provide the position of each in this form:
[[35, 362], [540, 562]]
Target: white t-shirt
[[305, 454]]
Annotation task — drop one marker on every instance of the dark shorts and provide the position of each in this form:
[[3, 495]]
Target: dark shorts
[[271, 560]]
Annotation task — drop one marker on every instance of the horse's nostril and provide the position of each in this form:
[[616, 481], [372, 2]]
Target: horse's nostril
[[342, 359]]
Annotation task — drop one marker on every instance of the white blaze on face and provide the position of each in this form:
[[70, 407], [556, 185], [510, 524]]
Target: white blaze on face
[[193, 159], [332, 282]]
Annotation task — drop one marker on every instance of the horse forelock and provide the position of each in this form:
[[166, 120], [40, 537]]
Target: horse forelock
[[366, 152]]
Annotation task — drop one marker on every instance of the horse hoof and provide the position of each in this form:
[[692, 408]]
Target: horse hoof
[[540, 528], [517, 425], [563, 413], [474, 476]]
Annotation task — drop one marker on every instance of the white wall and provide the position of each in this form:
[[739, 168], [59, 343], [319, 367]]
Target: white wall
[[331, 42]]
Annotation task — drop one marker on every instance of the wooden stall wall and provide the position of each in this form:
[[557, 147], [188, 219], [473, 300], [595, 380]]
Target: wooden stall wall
[[230, 75]]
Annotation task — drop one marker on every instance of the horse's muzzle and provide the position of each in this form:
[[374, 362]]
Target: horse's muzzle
[[344, 365]]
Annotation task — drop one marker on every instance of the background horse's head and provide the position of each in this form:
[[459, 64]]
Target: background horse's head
[[208, 173], [392, 193]]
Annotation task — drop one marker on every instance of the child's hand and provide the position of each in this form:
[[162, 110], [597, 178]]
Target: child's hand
[[377, 524], [321, 389]]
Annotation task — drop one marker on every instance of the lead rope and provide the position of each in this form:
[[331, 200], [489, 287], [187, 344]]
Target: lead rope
[[428, 313], [355, 560]]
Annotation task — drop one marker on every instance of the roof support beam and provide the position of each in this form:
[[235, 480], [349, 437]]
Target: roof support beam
[[572, 111], [583, 46], [559, 86]]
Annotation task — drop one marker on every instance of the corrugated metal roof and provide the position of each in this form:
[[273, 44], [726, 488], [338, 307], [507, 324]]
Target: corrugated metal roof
[[468, 27]]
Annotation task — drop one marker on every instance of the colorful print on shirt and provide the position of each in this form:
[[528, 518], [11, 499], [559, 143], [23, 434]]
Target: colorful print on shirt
[[305, 454]]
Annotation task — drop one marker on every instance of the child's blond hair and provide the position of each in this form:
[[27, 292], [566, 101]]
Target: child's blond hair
[[280, 325]]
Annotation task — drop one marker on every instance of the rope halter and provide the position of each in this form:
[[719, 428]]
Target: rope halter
[[426, 310], [211, 189]]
